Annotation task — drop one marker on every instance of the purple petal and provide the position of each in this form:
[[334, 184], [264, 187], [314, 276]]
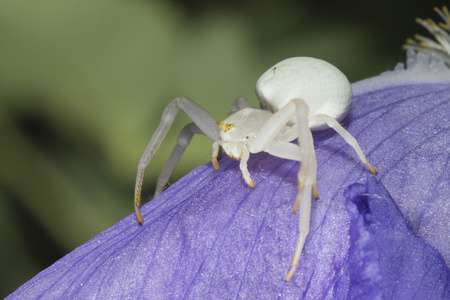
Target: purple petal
[[211, 236], [386, 260]]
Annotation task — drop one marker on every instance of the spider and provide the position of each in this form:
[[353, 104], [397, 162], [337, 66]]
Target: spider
[[297, 95]]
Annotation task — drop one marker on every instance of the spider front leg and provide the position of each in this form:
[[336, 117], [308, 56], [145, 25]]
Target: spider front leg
[[202, 120]]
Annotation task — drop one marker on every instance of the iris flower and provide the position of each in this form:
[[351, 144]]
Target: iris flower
[[210, 236]]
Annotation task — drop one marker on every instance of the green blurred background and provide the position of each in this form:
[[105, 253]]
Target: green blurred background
[[83, 84]]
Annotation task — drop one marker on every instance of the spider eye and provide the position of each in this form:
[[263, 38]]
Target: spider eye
[[228, 127]]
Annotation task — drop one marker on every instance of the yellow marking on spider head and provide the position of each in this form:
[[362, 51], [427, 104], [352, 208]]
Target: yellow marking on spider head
[[225, 127]]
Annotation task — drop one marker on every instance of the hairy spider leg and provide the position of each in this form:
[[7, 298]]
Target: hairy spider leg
[[202, 119]]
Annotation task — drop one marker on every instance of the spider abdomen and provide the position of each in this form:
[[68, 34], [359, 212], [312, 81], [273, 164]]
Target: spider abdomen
[[321, 85]]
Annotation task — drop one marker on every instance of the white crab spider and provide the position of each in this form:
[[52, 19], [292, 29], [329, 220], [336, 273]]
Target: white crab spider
[[297, 95]]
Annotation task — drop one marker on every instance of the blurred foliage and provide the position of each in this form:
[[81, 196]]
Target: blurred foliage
[[83, 84]]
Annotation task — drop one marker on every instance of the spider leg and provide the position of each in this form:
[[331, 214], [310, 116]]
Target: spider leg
[[289, 151], [306, 180], [244, 169], [332, 123], [284, 150], [184, 139], [202, 119], [288, 134], [237, 105], [266, 140], [215, 154]]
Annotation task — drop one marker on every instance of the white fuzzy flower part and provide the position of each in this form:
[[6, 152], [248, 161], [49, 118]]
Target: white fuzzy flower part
[[441, 33]]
